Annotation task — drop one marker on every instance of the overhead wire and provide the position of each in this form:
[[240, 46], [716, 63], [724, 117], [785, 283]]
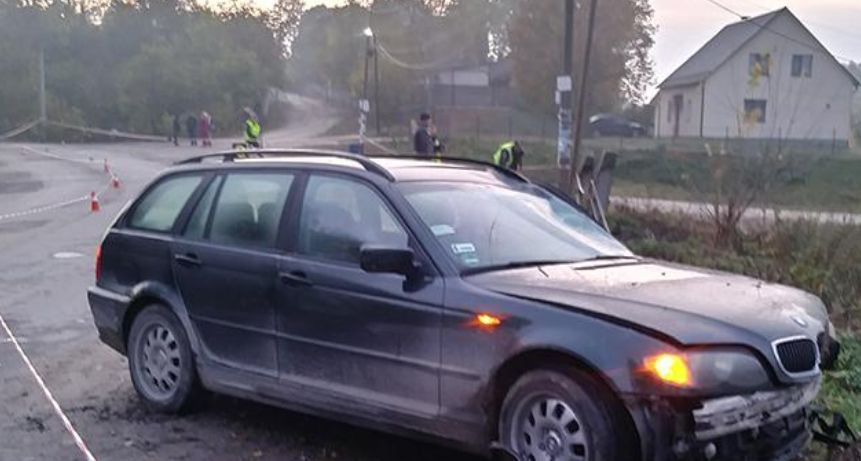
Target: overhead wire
[[449, 37]]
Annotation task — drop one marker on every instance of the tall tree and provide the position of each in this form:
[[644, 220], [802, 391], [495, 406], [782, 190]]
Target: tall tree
[[620, 68]]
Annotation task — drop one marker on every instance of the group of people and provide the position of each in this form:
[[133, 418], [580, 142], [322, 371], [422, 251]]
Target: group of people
[[200, 128], [426, 143], [196, 127]]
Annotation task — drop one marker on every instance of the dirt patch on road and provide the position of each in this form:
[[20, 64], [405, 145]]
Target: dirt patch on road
[[19, 226], [18, 182]]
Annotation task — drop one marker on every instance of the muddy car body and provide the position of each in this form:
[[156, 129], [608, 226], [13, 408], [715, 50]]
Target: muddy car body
[[439, 311]]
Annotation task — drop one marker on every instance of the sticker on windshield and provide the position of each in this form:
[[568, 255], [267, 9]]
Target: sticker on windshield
[[459, 248], [442, 229], [469, 259]]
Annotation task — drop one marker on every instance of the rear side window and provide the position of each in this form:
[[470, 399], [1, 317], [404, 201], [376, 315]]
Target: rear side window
[[159, 208], [248, 209], [197, 224]]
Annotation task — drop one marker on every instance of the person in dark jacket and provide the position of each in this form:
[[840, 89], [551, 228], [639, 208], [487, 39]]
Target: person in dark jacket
[[177, 127], [423, 139], [191, 129]]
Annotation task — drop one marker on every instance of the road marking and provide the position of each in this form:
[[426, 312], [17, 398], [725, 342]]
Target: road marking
[[67, 255], [88, 455]]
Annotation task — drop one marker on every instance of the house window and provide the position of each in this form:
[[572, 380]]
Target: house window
[[759, 64], [802, 65], [754, 110]]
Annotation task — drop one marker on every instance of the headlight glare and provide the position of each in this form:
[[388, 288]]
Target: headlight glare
[[718, 370]]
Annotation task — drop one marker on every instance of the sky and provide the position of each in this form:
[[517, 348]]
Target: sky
[[685, 25]]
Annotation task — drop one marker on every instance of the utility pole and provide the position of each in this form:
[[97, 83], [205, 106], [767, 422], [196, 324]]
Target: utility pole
[[376, 85], [364, 105], [43, 111], [563, 98], [581, 97]]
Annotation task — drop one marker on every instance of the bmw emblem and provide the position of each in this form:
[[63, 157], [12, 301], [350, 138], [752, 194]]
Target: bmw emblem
[[800, 321]]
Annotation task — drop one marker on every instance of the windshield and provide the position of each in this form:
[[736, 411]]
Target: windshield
[[485, 226]]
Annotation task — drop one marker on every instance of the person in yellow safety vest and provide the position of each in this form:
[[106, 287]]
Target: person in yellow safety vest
[[252, 129], [509, 155]]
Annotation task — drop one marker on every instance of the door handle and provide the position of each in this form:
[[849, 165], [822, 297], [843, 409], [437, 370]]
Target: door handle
[[295, 278], [188, 259]]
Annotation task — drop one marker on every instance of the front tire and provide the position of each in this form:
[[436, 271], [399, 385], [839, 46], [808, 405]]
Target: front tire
[[160, 360], [553, 416]]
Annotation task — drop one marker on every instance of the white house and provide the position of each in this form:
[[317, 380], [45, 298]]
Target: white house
[[765, 77]]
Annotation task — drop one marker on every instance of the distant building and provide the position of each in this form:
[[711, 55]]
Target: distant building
[[766, 77], [486, 85]]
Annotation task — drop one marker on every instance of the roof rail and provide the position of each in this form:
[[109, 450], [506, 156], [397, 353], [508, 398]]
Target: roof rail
[[231, 156], [505, 171]]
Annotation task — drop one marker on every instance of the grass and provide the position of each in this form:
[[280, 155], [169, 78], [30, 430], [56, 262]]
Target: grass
[[841, 389], [680, 171]]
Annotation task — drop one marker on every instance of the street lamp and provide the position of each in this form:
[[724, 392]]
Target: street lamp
[[364, 104]]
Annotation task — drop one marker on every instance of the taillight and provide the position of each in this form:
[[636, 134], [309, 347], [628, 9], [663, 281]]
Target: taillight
[[98, 263]]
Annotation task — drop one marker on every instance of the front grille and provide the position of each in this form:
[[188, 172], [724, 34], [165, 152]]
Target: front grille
[[796, 355]]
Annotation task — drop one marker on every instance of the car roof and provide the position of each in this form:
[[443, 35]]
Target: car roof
[[394, 168]]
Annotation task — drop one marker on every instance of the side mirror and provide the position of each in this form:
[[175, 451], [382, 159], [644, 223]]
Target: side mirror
[[382, 259]]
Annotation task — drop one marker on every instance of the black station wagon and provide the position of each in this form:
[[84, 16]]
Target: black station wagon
[[448, 299]]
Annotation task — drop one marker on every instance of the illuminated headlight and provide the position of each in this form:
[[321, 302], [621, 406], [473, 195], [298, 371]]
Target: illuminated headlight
[[721, 370]]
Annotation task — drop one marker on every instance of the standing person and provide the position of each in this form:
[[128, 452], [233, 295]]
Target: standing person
[[177, 127], [423, 139], [253, 129], [203, 129], [191, 129], [509, 155]]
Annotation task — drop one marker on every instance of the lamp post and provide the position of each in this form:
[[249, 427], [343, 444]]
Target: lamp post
[[364, 104]]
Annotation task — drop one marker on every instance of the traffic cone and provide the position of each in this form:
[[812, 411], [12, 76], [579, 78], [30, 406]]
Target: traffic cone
[[94, 203], [107, 168], [115, 182]]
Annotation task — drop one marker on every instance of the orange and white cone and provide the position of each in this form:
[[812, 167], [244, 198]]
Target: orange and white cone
[[94, 202], [115, 182], [107, 168]]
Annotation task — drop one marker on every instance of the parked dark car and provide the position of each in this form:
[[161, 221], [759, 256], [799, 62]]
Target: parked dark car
[[449, 299], [614, 125]]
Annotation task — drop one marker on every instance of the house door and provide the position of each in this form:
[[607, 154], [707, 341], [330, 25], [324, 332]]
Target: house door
[[678, 104]]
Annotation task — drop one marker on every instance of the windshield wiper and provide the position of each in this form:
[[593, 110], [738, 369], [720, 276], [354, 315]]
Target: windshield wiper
[[515, 265]]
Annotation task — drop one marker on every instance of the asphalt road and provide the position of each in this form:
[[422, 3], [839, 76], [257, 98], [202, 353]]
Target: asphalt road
[[46, 264]]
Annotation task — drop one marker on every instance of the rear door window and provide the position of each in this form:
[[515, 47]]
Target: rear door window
[[248, 209], [159, 208]]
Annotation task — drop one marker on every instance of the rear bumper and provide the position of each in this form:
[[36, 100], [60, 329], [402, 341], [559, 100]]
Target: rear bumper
[[772, 425], [108, 310]]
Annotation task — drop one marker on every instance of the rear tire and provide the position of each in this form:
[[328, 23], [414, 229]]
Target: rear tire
[[549, 415], [160, 360]]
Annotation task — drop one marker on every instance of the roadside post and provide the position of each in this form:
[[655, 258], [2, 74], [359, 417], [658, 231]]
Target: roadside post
[[563, 142], [364, 108], [564, 101]]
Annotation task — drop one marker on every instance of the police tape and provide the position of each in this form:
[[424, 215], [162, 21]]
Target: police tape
[[112, 133], [113, 182], [20, 130]]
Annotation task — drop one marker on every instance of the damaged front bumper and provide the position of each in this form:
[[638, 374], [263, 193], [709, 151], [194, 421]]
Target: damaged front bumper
[[768, 425]]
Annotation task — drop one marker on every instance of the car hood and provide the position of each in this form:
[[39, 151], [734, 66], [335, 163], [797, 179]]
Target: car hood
[[688, 305]]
